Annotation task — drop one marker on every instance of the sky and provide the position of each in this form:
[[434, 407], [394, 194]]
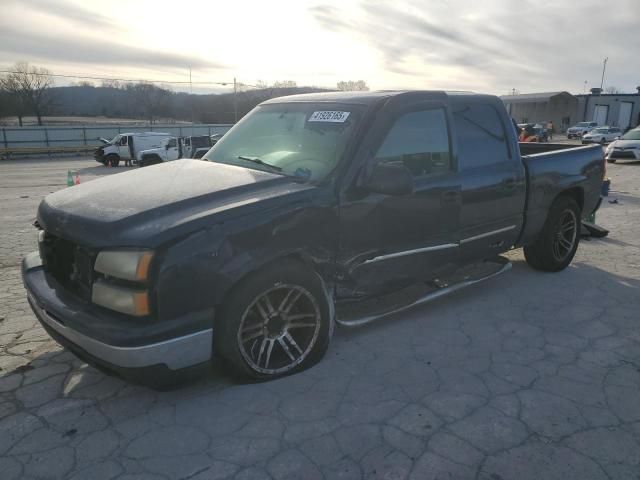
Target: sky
[[490, 46]]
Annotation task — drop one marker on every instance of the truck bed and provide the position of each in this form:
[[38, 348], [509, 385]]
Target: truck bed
[[555, 168]]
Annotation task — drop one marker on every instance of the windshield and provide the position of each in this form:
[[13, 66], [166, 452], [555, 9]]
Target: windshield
[[305, 140], [600, 130], [631, 135], [584, 124]]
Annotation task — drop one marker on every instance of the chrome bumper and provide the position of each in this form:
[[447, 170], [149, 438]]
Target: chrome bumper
[[60, 314], [177, 353]]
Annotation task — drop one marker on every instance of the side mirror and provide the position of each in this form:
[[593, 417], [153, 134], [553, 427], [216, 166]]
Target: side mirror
[[389, 180]]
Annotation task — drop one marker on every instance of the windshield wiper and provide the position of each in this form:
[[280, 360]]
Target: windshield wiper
[[260, 162]]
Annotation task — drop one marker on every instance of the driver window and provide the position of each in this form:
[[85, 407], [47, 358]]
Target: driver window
[[171, 143], [420, 142], [123, 140]]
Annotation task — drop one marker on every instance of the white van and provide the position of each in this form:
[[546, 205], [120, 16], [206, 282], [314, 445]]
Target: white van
[[126, 146]]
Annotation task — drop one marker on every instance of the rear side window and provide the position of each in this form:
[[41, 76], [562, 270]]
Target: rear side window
[[420, 142], [482, 140]]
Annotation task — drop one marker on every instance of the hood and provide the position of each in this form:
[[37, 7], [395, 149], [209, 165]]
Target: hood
[[153, 205], [626, 144]]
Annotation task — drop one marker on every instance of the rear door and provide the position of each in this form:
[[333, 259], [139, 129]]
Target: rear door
[[391, 240], [492, 180]]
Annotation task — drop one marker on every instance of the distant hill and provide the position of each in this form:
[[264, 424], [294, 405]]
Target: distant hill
[[155, 103]]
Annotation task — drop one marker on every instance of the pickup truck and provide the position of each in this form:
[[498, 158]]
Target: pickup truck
[[314, 210], [173, 148]]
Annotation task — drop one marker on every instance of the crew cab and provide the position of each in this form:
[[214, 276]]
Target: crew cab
[[314, 210], [580, 129], [173, 148]]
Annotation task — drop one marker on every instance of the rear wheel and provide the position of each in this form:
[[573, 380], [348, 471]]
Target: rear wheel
[[611, 160], [556, 245], [274, 323], [602, 141]]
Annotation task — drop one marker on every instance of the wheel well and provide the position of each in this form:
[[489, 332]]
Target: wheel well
[[272, 263], [111, 155], [576, 193]]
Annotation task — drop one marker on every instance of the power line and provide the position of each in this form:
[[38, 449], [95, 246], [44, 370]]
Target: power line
[[88, 77]]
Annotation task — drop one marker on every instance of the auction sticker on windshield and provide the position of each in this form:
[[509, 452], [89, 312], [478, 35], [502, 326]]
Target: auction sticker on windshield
[[329, 116]]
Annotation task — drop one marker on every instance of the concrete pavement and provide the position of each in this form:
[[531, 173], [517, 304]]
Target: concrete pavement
[[526, 376]]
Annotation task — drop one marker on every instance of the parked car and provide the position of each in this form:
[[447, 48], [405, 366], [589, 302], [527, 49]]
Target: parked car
[[580, 129], [173, 148], [127, 146], [627, 147], [314, 210], [601, 135]]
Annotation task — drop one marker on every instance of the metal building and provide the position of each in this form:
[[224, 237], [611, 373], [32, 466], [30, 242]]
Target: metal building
[[564, 109], [558, 107], [617, 110]]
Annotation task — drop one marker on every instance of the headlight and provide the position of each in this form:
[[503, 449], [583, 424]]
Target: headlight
[[130, 265], [120, 299]]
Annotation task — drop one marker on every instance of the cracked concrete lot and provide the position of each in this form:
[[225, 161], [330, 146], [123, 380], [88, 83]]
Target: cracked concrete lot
[[528, 376]]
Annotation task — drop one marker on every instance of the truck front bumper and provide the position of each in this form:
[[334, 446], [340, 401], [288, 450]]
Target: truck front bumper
[[57, 312]]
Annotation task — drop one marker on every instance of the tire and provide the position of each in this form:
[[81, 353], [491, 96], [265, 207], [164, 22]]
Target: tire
[[273, 349], [148, 160], [611, 160], [602, 141], [549, 253], [112, 160]]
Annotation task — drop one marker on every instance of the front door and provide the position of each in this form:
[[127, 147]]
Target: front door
[[389, 241]]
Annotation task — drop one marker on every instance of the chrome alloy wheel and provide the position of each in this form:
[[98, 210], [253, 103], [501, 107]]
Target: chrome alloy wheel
[[279, 329], [566, 235]]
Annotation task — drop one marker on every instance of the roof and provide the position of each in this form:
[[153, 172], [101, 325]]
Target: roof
[[358, 98], [533, 97]]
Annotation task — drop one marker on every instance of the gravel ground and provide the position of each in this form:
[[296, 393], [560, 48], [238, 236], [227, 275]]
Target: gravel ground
[[526, 376]]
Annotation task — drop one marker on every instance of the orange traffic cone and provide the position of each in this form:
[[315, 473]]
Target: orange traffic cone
[[77, 182]]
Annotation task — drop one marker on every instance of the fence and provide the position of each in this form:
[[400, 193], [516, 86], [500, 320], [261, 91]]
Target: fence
[[15, 139]]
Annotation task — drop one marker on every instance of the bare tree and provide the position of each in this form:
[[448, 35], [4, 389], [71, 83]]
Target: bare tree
[[285, 84], [612, 90], [32, 86], [153, 100], [353, 86], [107, 83]]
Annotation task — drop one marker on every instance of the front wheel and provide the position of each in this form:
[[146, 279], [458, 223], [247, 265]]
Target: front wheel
[[274, 323], [112, 160], [556, 245]]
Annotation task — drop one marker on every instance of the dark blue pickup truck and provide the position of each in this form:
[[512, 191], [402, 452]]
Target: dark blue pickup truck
[[314, 210]]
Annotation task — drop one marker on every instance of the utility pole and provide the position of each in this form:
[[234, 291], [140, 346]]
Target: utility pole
[[604, 68], [584, 88], [235, 100], [191, 99]]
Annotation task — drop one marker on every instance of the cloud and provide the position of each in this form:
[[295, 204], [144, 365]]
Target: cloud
[[21, 44], [496, 44], [68, 11]]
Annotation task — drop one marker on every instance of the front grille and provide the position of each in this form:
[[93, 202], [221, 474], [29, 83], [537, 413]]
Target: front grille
[[622, 154], [68, 263]]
